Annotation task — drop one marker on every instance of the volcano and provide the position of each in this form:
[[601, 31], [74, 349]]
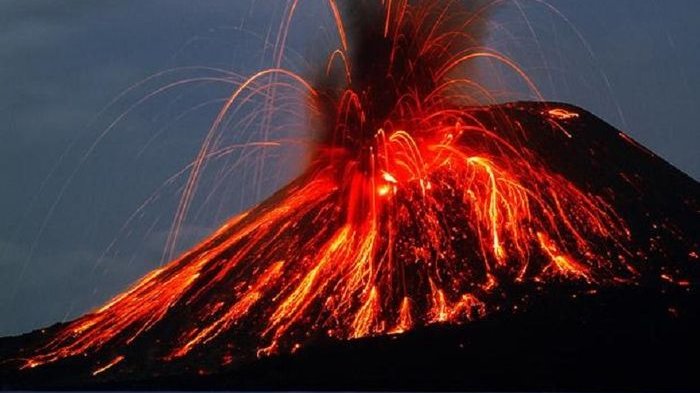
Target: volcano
[[549, 328], [431, 243]]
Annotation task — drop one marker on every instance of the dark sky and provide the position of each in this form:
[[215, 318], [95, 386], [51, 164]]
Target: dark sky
[[72, 179]]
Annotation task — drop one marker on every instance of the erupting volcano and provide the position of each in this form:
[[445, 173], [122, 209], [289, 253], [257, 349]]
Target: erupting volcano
[[422, 206]]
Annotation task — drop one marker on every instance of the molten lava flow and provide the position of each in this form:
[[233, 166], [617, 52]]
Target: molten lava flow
[[412, 212]]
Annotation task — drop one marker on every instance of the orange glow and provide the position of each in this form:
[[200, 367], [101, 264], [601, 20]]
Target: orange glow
[[405, 321], [383, 190], [562, 114], [563, 264]]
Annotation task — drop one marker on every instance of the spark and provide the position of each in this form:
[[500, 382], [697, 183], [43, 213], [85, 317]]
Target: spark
[[108, 365]]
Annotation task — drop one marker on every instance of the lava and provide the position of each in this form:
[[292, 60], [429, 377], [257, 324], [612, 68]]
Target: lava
[[411, 212]]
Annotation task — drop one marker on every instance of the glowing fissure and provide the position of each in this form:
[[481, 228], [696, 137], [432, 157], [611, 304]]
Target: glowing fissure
[[411, 213]]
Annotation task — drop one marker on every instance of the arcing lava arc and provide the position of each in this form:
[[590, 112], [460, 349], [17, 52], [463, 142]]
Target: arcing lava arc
[[419, 206]]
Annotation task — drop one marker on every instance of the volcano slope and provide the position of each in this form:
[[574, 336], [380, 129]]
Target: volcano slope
[[618, 312]]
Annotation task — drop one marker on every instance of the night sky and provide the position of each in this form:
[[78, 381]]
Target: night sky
[[81, 153]]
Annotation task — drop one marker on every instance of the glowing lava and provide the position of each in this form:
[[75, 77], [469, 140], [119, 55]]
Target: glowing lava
[[411, 212]]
